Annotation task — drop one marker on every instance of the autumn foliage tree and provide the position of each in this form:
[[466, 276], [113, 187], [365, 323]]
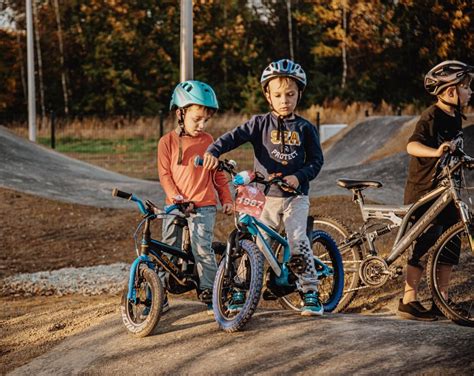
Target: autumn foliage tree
[[112, 57]]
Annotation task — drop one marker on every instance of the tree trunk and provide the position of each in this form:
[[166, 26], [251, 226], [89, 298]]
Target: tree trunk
[[22, 66], [40, 63], [61, 57], [290, 30], [344, 44]]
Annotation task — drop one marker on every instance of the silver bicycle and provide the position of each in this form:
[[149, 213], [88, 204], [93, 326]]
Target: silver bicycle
[[365, 268]]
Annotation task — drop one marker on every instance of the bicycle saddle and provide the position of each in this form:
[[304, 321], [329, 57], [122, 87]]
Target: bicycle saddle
[[358, 184]]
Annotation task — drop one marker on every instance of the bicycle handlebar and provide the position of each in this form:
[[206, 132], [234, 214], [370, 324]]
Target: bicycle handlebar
[[227, 165], [149, 208]]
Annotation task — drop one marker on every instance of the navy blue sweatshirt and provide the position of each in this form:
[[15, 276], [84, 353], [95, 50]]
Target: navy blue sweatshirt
[[301, 154]]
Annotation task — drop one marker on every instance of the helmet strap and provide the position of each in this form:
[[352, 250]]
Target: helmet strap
[[182, 132], [457, 107], [281, 132]]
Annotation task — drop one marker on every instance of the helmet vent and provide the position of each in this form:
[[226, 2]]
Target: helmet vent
[[188, 87]]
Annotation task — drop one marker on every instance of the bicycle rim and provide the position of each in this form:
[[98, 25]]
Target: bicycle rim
[[458, 305]]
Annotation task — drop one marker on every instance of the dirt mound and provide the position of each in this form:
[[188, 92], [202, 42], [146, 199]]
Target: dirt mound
[[362, 140], [31, 168]]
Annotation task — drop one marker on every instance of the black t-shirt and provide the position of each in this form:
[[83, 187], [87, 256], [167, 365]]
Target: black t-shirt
[[433, 128]]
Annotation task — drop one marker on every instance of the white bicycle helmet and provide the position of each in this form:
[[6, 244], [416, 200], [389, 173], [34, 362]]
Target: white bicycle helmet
[[446, 74], [284, 68]]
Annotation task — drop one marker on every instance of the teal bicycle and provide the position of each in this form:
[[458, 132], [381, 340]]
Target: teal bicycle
[[243, 274]]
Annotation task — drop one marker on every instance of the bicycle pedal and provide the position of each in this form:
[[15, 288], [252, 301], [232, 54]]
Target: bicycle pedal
[[268, 295]]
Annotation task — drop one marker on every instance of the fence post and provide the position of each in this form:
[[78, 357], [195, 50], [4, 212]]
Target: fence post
[[318, 120], [161, 123], [53, 130]]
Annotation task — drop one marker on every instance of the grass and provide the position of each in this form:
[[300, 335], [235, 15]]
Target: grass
[[100, 145]]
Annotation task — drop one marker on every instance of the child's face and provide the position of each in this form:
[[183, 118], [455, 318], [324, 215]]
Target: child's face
[[282, 94], [464, 92], [195, 119]]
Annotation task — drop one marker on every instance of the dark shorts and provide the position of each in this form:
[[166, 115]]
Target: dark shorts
[[448, 217]]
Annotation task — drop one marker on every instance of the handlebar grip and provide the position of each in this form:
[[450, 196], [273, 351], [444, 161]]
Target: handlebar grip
[[198, 161], [121, 194]]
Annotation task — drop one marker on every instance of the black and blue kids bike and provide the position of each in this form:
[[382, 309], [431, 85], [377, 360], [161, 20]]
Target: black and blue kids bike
[[142, 299], [243, 273]]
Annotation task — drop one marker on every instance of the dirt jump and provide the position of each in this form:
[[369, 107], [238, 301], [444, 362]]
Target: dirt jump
[[57, 213]]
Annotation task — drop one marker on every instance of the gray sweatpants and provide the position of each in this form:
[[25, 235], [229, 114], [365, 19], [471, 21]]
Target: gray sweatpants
[[293, 211], [201, 227]]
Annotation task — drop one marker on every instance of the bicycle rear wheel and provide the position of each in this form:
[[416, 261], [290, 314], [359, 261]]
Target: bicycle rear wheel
[[351, 258], [452, 286], [245, 278], [331, 286], [141, 316]]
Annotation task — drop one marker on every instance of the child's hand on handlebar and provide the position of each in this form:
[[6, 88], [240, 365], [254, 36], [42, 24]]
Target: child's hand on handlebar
[[444, 147], [227, 209], [292, 181], [210, 162]]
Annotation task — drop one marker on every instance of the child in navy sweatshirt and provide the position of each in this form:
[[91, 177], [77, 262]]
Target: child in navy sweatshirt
[[288, 145]]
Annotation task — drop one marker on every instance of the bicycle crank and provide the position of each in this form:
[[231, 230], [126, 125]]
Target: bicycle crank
[[374, 271]]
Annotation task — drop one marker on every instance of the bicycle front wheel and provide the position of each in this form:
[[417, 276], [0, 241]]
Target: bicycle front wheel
[[237, 289], [331, 285], [141, 316], [451, 275], [351, 258]]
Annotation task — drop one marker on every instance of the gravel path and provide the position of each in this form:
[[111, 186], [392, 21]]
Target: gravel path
[[85, 281]]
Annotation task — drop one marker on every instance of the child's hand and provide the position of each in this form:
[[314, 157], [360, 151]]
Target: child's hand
[[292, 181], [210, 162], [274, 176], [445, 146], [227, 209]]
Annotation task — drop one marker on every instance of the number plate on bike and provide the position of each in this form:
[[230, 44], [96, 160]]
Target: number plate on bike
[[250, 200]]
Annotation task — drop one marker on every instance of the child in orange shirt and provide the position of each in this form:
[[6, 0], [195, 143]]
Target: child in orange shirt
[[195, 103]]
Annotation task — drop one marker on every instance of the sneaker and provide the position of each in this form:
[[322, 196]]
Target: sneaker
[[312, 305], [144, 314], [434, 310], [210, 309], [166, 305], [415, 311], [237, 302], [205, 296]]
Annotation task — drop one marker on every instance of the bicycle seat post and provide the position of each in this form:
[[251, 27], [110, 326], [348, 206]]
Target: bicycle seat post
[[358, 197]]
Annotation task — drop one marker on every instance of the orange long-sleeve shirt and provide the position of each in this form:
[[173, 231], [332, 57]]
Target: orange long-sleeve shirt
[[193, 183]]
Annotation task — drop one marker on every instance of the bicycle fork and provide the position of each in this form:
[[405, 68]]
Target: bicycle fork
[[466, 218]]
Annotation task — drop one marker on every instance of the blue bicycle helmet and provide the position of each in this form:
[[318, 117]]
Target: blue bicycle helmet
[[284, 68], [193, 92]]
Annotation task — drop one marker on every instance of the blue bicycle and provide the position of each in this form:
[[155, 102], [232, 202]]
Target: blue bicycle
[[242, 272], [143, 296]]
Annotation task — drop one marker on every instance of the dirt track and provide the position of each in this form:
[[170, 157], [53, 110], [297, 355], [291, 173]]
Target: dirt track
[[83, 335], [188, 342]]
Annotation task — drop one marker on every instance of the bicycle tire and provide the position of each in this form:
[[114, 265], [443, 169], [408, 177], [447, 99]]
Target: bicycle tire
[[459, 307], [150, 294], [351, 258], [223, 289], [330, 288]]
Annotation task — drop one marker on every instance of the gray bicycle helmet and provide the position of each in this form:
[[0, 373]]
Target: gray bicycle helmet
[[446, 74], [284, 68], [193, 92]]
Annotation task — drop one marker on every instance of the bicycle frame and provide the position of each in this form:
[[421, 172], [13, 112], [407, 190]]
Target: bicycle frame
[[441, 196], [157, 249], [281, 270]]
